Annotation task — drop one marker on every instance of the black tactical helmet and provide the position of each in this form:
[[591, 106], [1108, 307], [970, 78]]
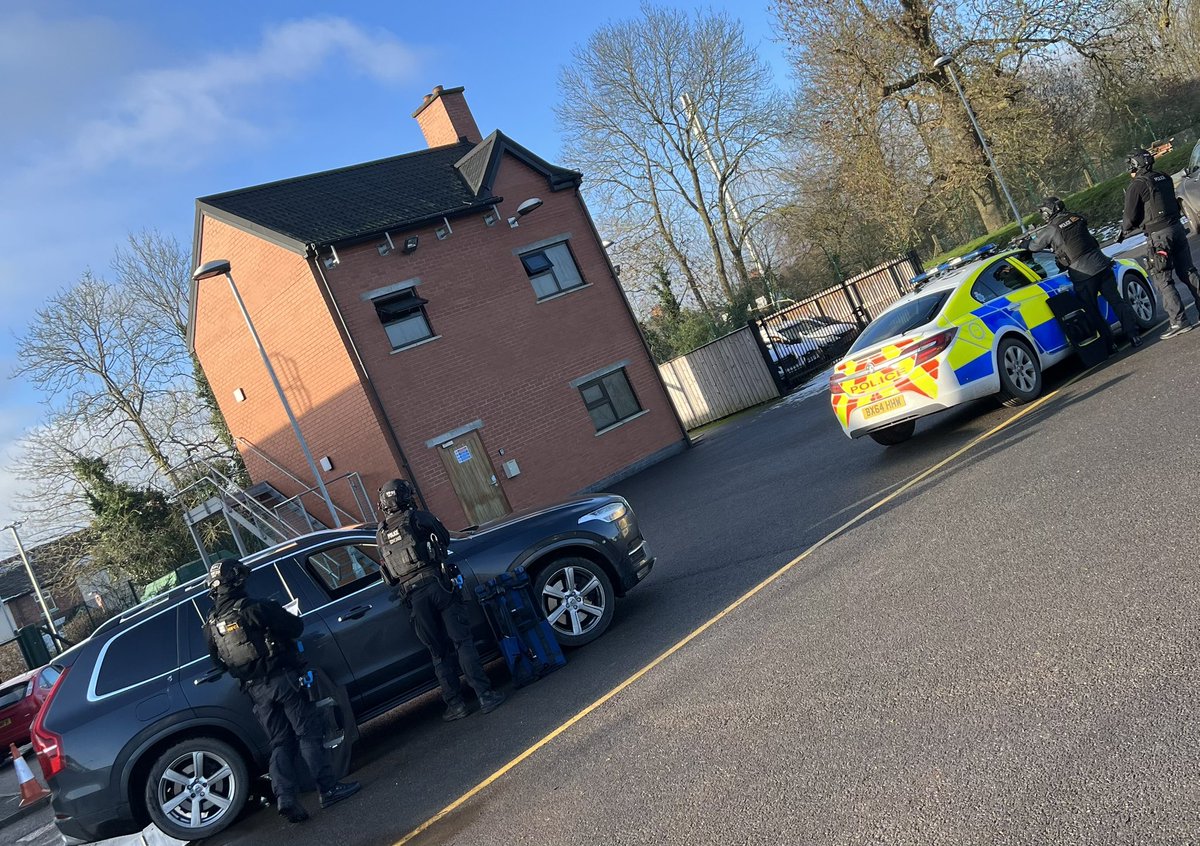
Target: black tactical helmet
[[1050, 206], [396, 495], [1140, 160], [228, 574]]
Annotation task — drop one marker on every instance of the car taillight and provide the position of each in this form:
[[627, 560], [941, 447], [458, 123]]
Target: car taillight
[[931, 347], [46, 744], [835, 382]]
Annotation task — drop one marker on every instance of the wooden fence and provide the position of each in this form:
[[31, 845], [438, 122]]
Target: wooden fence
[[718, 379]]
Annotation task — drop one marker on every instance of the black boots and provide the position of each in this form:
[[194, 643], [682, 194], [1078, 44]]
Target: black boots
[[341, 790], [292, 811], [490, 701]]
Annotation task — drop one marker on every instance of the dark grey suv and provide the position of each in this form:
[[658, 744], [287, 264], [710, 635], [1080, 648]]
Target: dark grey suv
[[133, 733]]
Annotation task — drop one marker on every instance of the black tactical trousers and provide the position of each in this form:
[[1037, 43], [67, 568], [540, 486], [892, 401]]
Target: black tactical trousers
[[439, 618], [1106, 284], [292, 725], [1173, 241]]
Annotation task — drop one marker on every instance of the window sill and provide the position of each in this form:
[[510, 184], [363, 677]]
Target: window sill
[[414, 344], [621, 423], [564, 293]]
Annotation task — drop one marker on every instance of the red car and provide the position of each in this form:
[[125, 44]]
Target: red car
[[20, 699]]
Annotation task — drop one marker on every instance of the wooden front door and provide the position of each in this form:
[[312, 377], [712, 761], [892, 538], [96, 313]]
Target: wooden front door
[[473, 478]]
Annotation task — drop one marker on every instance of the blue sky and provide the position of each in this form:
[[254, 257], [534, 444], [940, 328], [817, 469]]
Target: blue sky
[[118, 115]]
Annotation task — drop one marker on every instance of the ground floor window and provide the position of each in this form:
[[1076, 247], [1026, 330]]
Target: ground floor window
[[609, 399]]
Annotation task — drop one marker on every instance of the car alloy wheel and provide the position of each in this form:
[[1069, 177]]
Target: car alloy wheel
[[577, 599], [1138, 295], [197, 788], [1020, 368], [1020, 372]]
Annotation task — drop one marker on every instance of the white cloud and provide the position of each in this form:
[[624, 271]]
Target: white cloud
[[176, 114]]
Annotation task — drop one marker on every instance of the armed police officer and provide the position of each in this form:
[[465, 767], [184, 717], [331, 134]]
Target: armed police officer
[[254, 640], [1151, 205], [414, 544], [1088, 268]]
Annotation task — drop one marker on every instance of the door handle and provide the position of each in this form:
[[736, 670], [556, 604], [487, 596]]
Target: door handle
[[211, 676], [354, 613]]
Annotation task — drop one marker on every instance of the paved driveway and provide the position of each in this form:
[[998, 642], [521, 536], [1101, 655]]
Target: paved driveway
[[1003, 652]]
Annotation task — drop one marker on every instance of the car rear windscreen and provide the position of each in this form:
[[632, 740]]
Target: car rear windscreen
[[902, 319], [12, 694]]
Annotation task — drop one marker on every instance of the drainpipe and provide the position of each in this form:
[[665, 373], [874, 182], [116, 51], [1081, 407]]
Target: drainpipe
[[372, 394]]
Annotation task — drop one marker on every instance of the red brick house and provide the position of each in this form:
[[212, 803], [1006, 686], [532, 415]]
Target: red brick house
[[422, 327]]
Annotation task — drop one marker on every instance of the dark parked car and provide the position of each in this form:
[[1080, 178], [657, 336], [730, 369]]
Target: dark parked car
[[20, 699], [1187, 187], [799, 344], [131, 733]]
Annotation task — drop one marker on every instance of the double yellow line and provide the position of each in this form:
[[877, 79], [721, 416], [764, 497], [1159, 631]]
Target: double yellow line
[[729, 609]]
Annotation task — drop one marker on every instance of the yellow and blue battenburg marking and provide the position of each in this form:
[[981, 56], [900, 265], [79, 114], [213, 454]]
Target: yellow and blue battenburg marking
[[1025, 309], [895, 368]]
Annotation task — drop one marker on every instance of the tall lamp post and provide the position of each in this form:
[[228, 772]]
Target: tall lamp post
[[947, 62], [37, 588], [221, 267]]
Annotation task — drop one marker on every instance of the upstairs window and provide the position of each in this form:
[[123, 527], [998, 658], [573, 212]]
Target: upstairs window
[[552, 270], [403, 317]]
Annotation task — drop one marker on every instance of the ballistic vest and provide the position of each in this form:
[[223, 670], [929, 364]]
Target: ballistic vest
[[1162, 209], [1077, 249], [401, 564], [239, 646], [1077, 241]]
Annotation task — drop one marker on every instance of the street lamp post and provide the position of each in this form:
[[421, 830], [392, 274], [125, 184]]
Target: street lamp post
[[37, 588], [947, 62], [219, 267]]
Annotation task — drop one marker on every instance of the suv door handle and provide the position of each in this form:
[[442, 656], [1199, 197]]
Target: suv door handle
[[211, 676], [354, 613]]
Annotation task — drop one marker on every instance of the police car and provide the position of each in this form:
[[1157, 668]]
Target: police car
[[974, 327]]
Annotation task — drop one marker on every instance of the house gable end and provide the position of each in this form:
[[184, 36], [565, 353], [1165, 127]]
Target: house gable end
[[479, 167]]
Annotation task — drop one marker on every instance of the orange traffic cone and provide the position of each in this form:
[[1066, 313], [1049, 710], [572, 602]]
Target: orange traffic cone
[[31, 790]]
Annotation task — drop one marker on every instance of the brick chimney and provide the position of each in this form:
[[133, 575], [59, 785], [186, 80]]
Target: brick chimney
[[444, 117]]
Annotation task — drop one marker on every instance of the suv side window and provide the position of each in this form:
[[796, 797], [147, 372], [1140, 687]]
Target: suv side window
[[264, 583], [47, 679], [143, 652], [342, 570]]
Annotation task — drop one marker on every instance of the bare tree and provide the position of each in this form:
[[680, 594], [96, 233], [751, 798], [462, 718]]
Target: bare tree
[[156, 270], [872, 62], [118, 381], [672, 115], [98, 358]]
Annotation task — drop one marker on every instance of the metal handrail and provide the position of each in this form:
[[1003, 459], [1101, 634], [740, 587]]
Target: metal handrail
[[257, 451], [351, 477], [232, 495], [357, 489]]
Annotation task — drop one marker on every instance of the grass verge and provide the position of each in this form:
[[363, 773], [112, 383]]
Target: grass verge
[[1101, 204]]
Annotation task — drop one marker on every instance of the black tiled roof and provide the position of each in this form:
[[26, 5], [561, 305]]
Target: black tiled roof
[[14, 581], [390, 194], [336, 205]]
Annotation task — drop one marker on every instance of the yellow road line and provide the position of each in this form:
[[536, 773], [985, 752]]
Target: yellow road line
[[725, 612]]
